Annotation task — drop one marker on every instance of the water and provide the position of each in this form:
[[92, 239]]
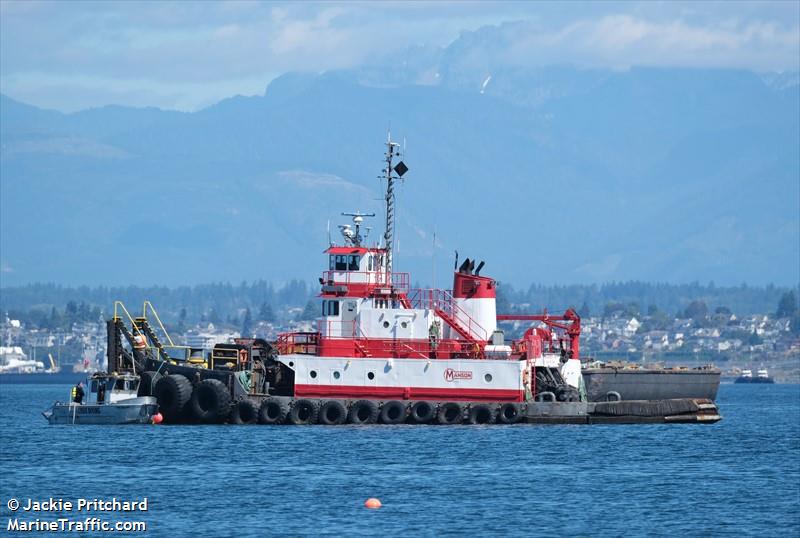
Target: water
[[740, 477]]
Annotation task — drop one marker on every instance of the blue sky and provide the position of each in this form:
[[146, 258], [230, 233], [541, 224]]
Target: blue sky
[[185, 55]]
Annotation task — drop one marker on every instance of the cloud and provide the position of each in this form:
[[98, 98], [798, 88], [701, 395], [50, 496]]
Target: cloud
[[186, 55], [624, 40]]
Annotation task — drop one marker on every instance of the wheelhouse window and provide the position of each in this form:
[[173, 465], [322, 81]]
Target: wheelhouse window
[[344, 262]]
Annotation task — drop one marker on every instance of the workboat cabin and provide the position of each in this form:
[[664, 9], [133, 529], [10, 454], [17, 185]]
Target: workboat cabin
[[111, 388]]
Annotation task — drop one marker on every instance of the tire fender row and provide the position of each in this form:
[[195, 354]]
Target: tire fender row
[[210, 402]]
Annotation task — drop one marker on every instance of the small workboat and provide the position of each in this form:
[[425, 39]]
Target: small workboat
[[111, 399]]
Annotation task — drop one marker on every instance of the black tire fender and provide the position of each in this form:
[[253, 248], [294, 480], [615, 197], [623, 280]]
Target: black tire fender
[[147, 383], [510, 413], [546, 396], [173, 392], [422, 412], [332, 413], [481, 414], [244, 411], [393, 412], [363, 412], [450, 413], [211, 401], [304, 412], [272, 412]]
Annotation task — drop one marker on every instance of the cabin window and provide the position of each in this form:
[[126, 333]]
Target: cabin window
[[330, 308], [341, 263], [331, 262], [354, 262], [120, 384], [94, 386], [369, 263]]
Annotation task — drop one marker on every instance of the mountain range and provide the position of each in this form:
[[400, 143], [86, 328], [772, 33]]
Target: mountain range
[[551, 174]]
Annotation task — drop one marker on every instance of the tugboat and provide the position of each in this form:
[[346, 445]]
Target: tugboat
[[112, 399], [762, 376], [382, 352]]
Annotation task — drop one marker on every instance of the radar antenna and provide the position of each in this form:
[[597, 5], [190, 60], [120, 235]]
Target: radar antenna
[[354, 237], [391, 173]]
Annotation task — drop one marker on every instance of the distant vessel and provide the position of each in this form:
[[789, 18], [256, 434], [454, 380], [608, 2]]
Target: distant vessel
[[762, 376]]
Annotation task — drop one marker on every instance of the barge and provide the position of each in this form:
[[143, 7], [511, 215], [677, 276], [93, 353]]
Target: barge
[[615, 381], [382, 352]]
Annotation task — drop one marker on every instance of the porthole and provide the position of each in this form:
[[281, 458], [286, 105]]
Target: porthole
[[336, 375], [488, 378], [371, 375], [404, 324], [313, 374], [291, 363], [385, 324]]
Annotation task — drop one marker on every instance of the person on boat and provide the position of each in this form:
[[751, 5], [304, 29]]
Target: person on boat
[[78, 393], [433, 334], [139, 343]]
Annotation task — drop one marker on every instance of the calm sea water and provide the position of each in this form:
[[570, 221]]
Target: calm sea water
[[740, 477]]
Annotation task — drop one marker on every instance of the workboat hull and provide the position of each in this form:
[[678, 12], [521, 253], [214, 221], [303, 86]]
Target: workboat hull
[[132, 411], [650, 384]]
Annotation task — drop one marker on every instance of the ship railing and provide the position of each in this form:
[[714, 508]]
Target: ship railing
[[442, 300], [398, 282], [121, 313], [304, 343]]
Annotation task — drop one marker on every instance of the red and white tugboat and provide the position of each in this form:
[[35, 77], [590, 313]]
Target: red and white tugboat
[[383, 352], [390, 351]]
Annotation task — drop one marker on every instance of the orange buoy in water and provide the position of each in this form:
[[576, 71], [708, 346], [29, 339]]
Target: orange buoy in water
[[372, 502], [157, 418]]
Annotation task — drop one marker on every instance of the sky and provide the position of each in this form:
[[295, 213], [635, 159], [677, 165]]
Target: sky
[[72, 55]]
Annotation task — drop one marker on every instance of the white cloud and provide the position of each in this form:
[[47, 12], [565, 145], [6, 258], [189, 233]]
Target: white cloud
[[620, 41], [188, 54]]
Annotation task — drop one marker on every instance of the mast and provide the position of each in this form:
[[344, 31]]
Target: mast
[[399, 170]]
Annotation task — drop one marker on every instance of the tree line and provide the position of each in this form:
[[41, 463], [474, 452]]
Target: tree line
[[54, 306]]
